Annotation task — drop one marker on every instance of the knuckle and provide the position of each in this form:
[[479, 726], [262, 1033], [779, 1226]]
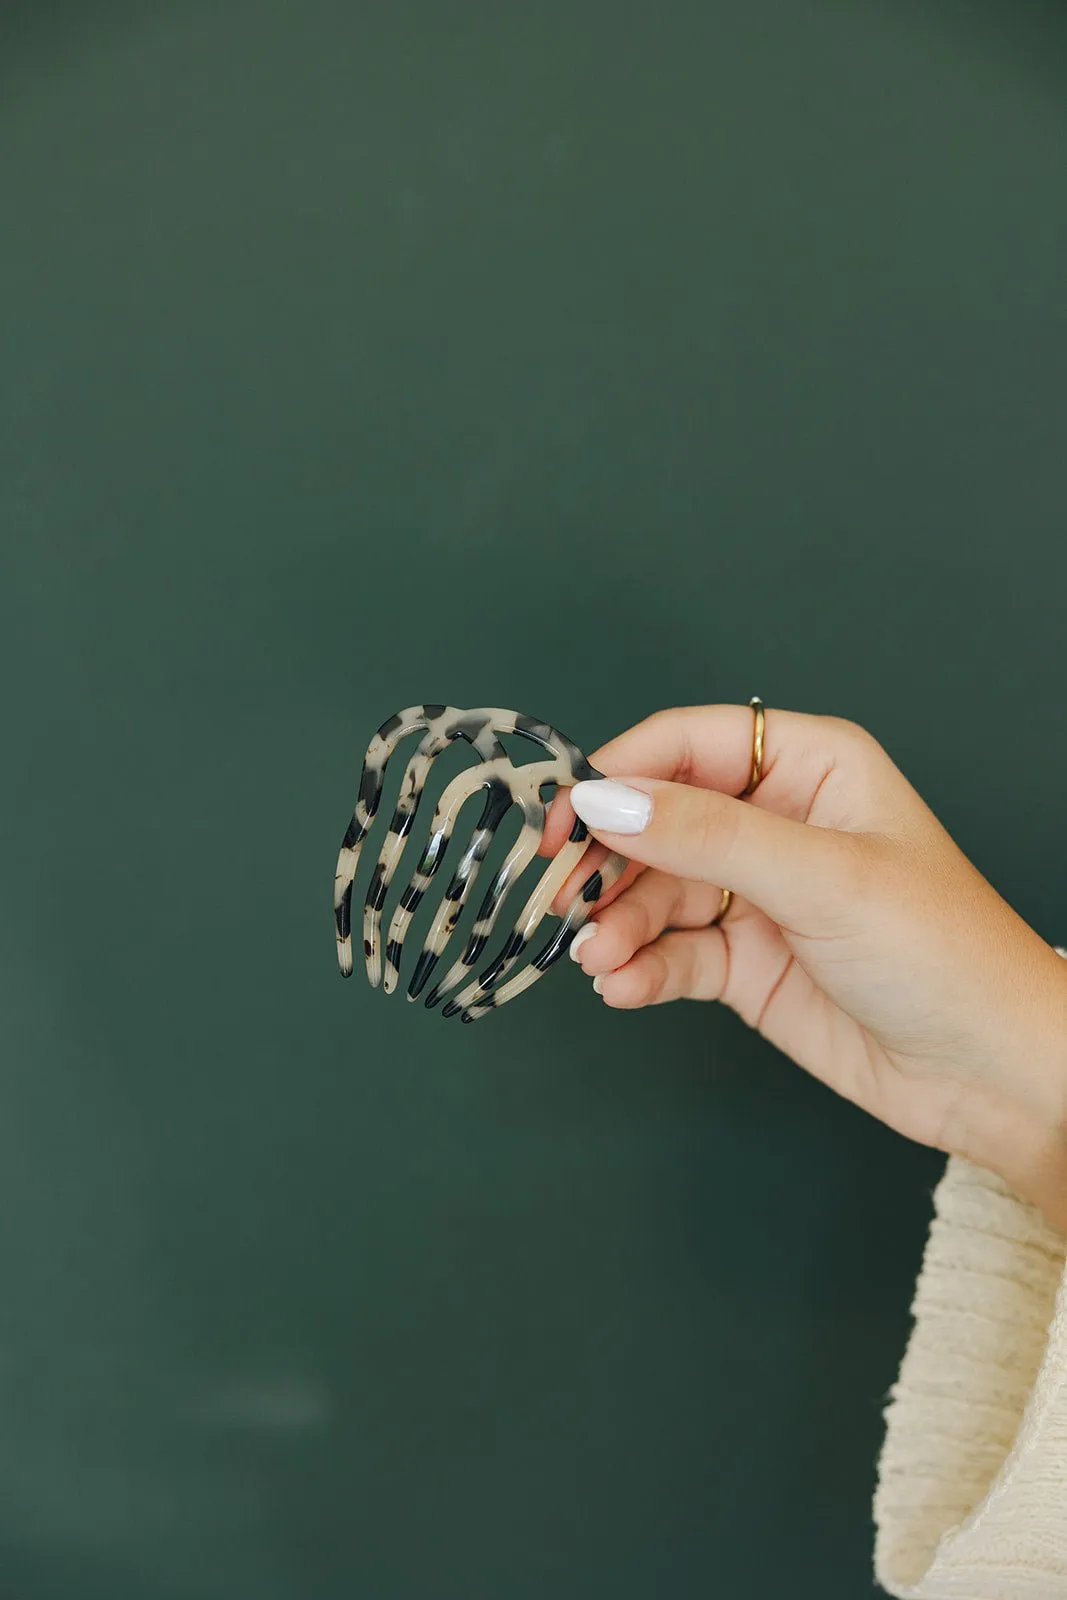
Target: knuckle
[[849, 731], [685, 961], [607, 953], [612, 945], [640, 925], [653, 976], [854, 738]]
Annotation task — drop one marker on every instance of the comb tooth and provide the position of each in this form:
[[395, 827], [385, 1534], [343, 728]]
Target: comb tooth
[[343, 879], [450, 911], [475, 727], [458, 891], [421, 976], [456, 896], [504, 962], [458, 792], [514, 865], [578, 912], [411, 790], [371, 779], [544, 892]]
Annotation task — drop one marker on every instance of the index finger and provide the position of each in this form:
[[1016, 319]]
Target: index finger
[[708, 746]]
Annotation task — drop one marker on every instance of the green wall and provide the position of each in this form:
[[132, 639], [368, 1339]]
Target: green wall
[[584, 358]]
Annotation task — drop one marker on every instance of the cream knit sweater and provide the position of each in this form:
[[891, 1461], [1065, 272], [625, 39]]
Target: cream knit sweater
[[971, 1501]]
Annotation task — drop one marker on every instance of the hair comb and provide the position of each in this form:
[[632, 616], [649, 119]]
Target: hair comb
[[505, 785]]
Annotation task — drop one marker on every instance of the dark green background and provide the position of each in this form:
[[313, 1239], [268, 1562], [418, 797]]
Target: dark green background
[[584, 358]]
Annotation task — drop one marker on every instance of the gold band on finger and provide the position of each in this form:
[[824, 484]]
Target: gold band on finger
[[757, 744], [754, 777]]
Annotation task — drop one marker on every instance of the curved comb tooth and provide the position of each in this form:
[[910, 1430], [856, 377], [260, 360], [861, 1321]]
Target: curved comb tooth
[[510, 870], [498, 803], [580, 910], [544, 892], [477, 729], [411, 791], [371, 780], [458, 792]]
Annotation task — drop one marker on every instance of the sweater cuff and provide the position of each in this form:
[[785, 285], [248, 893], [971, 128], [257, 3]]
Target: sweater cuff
[[972, 1493]]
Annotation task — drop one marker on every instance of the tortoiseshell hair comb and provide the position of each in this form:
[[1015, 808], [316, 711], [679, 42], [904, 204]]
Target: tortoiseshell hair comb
[[506, 785]]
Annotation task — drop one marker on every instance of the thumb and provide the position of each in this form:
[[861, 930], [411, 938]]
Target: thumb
[[795, 872]]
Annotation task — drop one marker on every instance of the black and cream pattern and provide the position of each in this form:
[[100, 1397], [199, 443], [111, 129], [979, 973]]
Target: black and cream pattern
[[505, 785]]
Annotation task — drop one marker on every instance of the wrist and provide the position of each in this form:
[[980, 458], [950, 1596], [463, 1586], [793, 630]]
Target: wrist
[[1017, 1124]]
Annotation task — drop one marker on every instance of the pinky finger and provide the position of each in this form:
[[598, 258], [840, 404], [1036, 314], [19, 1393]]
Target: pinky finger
[[690, 965]]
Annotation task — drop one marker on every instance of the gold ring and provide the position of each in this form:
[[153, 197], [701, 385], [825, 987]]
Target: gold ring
[[755, 774]]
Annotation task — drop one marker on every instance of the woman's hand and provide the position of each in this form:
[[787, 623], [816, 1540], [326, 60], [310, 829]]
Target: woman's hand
[[861, 941]]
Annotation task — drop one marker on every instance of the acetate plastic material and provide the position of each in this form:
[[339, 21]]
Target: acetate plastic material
[[505, 785]]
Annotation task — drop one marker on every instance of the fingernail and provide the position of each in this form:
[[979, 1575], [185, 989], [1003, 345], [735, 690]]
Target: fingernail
[[583, 936], [610, 806], [598, 986]]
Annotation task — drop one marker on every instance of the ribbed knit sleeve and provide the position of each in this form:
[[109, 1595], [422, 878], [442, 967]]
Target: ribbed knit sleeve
[[971, 1502]]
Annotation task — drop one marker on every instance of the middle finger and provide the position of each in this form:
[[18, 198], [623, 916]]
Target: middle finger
[[656, 901]]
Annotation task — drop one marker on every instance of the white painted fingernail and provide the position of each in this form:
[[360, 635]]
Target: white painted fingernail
[[583, 936], [598, 986], [610, 806]]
